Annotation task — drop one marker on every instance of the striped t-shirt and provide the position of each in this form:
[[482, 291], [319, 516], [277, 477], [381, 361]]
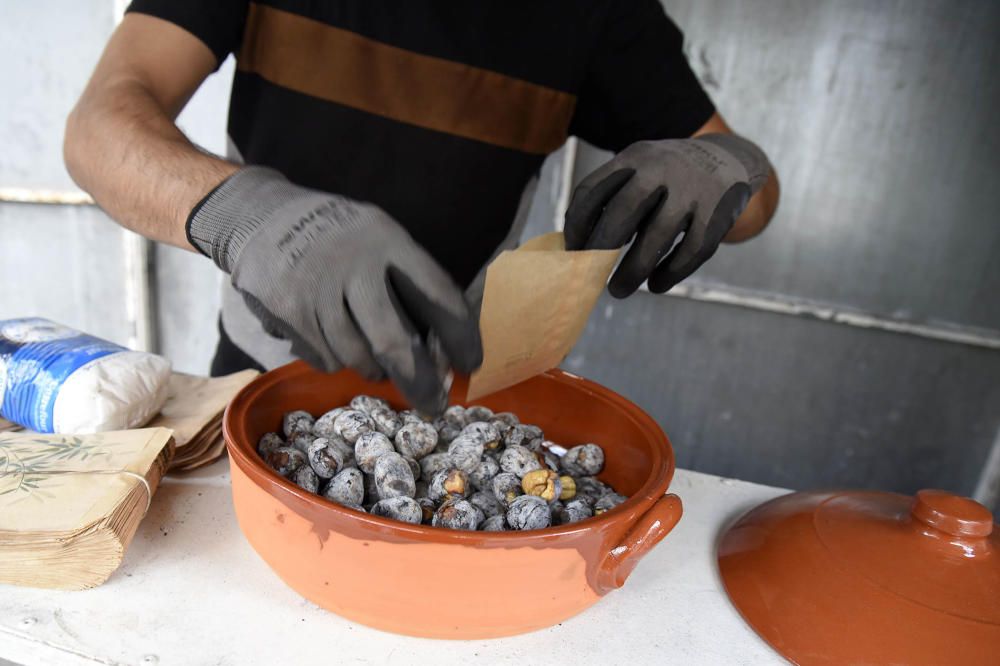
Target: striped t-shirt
[[440, 111]]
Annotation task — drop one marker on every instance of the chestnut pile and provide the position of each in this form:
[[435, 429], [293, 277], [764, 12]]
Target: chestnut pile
[[469, 469]]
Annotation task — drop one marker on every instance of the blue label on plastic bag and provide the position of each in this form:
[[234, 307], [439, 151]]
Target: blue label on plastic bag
[[36, 358]]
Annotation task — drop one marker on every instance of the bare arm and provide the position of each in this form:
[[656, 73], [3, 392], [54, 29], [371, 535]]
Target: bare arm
[[121, 143], [759, 211]]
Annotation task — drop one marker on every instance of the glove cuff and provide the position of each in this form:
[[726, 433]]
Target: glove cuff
[[746, 153], [222, 222]]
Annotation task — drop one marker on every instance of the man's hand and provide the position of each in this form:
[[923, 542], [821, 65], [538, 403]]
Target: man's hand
[[341, 279], [656, 191]]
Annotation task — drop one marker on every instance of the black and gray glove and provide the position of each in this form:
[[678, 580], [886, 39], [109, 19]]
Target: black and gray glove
[[656, 190], [341, 279]]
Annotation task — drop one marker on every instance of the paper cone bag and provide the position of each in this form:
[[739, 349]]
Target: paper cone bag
[[536, 301]]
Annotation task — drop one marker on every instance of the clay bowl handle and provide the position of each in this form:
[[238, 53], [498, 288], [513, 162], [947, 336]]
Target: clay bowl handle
[[647, 531]]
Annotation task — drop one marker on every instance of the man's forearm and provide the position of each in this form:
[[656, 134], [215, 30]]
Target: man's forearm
[[123, 148]]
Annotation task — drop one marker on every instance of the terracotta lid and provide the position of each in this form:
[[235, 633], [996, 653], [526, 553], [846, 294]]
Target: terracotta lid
[[868, 577]]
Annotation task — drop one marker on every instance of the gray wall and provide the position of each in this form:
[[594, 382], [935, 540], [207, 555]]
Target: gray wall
[[58, 261], [880, 119], [877, 117], [68, 262]]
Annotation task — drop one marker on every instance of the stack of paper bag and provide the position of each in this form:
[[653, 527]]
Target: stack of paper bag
[[193, 411], [70, 504]]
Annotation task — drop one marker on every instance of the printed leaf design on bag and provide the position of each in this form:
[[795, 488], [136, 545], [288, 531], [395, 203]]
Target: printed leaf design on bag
[[26, 464]]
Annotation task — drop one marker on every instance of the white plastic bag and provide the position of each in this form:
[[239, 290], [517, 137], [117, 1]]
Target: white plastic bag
[[56, 379]]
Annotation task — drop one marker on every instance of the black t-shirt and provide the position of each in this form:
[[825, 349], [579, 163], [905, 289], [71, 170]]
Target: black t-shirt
[[440, 112]]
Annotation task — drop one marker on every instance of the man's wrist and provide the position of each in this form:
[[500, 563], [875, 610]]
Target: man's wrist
[[196, 236], [220, 225]]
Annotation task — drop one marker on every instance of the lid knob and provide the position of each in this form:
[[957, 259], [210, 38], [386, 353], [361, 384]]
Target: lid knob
[[952, 514]]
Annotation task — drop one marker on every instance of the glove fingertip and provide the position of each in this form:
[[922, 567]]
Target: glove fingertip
[[470, 358], [310, 356], [661, 285], [426, 393], [371, 374], [471, 351], [574, 234], [416, 375], [572, 242], [621, 286]]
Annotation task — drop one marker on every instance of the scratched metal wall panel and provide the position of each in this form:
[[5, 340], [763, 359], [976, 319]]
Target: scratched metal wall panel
[[797, 402], [188, 284], [64, 263], [880, 119], [47, 51]]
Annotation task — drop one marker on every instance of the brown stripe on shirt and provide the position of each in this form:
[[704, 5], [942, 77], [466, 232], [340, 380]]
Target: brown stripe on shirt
[[340, 66]]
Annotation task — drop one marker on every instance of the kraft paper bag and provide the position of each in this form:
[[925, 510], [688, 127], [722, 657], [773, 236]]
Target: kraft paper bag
[[70, 504], [536, 302], [193, 411]]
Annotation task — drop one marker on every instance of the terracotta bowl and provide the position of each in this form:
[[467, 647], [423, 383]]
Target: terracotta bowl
[[433, 582]]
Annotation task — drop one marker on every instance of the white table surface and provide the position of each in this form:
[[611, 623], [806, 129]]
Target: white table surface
[[191, 591]]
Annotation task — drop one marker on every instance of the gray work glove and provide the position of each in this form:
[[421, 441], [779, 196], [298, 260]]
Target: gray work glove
[[656, 190], [341, 279]]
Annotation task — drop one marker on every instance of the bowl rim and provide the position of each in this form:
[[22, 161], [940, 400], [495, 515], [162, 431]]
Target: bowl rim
[[244, 454]]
